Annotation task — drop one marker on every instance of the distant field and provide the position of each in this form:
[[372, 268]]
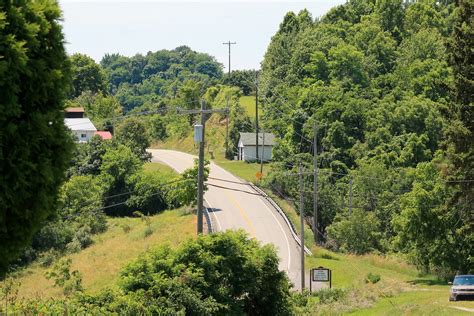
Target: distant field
[[248, 102], [101, 262]]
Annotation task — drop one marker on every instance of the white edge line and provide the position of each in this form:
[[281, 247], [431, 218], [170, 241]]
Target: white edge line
[[270, 211], [215, 216], [282, 214], [284, 233]]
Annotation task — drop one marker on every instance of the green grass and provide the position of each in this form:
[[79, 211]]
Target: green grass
[[244, 170], [159, 167], [294, 218], [401, 290], [418, 302], [248, 102], [101, 262]]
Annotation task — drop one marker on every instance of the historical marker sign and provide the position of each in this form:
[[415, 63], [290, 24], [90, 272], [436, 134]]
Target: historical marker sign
[[321, 275]]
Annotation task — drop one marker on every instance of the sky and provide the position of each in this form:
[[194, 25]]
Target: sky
[[130, 27]]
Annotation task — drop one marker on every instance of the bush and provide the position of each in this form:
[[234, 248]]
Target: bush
[[148, 192], [372, 278], [327, 296], [78, 217], [359, 233], [62, 276], [226, 272], [48, 257]]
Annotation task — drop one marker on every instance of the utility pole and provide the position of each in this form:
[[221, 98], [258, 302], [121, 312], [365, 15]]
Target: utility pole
[[227, 130], [263, 153], [200, 193], [229, 43], [200, 197], [302, 226], [256, 113], [350, 196], [315, 183]]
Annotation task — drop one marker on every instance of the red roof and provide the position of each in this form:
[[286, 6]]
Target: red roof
[[75, 109], [104, 134]]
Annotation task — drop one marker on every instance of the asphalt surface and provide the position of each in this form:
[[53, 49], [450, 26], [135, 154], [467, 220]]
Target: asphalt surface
[[238, 206]]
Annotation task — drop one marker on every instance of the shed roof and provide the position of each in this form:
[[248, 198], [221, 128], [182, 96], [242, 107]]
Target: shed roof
[[75, 109], [249, 139], [79, 124], [104, 134]]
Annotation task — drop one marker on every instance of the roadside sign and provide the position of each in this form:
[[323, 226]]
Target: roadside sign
[[320, 274]]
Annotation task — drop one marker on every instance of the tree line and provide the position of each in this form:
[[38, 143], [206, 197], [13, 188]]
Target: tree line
[[386, 83]]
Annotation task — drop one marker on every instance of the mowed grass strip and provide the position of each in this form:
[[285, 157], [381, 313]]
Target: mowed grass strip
[[123, 241], [423, 301]]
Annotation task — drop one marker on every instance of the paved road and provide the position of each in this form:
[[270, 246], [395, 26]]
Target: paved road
[[230, 209]]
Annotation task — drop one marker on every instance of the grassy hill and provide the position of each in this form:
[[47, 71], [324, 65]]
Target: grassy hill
[[124, 241]]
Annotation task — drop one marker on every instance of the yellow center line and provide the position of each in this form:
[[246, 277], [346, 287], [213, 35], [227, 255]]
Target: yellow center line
[[242, 212]]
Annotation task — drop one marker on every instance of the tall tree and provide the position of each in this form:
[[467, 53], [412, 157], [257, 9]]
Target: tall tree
[[87, 75], [34, 143], [132, 133], [460, 151]]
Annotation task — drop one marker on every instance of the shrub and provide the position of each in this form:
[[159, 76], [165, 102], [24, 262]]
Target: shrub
[[48, 257], [148, 192], [359, 233], [372, 278], [226, 272], [126, 228], [327, 296], [62, 276]]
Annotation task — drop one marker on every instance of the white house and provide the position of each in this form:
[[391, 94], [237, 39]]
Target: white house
[[82, 128], [248, 148]]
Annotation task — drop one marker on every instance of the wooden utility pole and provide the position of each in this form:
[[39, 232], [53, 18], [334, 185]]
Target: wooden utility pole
[[302, 225], [200, 193], [315, 183], [263, 153], [227, 130], [229, 43], [350, 196], [256, 114]]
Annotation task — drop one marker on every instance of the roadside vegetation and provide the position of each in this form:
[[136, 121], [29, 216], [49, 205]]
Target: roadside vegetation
[[96, 228]]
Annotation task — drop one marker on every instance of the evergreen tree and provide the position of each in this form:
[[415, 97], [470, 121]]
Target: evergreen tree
[[34, 143], [460, 134]]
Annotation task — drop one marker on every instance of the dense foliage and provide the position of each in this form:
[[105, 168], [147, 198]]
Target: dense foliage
[[378, 80], [87, 75], [226, 273], [146, 80], [35, 146]]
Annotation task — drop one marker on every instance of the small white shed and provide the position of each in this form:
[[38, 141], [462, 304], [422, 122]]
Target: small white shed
[[82, 128], [248, 146]]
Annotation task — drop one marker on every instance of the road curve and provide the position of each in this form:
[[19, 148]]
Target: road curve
[[238, 206]]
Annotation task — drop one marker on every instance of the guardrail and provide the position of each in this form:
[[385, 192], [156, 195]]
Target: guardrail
[[208, 220], [282, 214]]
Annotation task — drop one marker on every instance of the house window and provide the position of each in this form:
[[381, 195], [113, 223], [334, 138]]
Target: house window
[[83, 135]]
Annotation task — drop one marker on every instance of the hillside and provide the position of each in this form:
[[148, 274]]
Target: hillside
[[100, 264]]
